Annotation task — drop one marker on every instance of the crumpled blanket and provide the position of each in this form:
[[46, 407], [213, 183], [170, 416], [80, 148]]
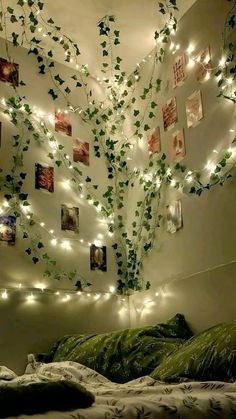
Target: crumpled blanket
[[143, 398]]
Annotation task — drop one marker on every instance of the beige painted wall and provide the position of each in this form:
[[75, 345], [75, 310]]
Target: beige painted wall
[[208, 235], [34, 327]]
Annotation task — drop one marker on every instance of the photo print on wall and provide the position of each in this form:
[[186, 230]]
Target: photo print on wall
[[44, 177], [98, 258], [203, 63], [174, 216], [69, 218], [63, 123], [154, 141], [179, 70], [177, 145], [81, 152], [8, 229], [169, 112], [9, 72], [194, 110]]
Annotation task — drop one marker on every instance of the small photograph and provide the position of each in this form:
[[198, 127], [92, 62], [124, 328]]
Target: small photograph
[[154, 141], [174, 216], [177, 145], [179, 70], [98, 258], [169, 112], [44, 177], [8, 229], [9, 72], [203, 64], [69, 218], [194, 110], [81, 152], [63, 123]]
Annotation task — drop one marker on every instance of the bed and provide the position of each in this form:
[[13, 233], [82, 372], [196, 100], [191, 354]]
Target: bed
[[142, 398], [173, 375]]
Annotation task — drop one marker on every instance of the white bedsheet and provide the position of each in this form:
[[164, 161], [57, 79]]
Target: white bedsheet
[[144, 398]]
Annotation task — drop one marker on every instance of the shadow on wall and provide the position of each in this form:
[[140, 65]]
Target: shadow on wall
[[205, 299]]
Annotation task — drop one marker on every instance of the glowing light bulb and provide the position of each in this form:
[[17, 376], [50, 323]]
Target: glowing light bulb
[[54, 242], [40, 286], [66, 184], [4, 295], [112, 289], [30, 298], [66, 245], [229, 80], [190, 49], [210, 167], [81, 240], [42, 224], [66, 298], [222, 62]]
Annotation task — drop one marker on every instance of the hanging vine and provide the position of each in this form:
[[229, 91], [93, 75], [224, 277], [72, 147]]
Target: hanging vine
[[106, 119]]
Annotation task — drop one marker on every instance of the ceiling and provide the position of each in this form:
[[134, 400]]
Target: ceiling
[[137, 21]]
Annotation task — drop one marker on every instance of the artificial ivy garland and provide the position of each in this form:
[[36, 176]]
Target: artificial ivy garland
[[106, 119]]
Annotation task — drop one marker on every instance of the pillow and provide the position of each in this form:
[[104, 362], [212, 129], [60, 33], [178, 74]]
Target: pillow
[[210, 355], [42, 397], [126, 354]]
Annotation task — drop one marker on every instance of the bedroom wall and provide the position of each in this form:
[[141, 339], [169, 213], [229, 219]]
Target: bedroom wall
[[28, 327], [207, 238], [33, 327]]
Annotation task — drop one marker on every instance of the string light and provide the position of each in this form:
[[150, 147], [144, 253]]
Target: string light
[[30, 298], [4, 295]]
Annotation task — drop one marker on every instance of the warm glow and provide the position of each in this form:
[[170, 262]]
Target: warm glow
[[40, 286], [4, 295]]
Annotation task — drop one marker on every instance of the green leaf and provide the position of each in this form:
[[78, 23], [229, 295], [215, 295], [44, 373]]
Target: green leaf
[[10, 10], [53, 94]]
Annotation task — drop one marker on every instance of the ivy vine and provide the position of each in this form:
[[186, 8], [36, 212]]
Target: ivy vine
[[106, 119]]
